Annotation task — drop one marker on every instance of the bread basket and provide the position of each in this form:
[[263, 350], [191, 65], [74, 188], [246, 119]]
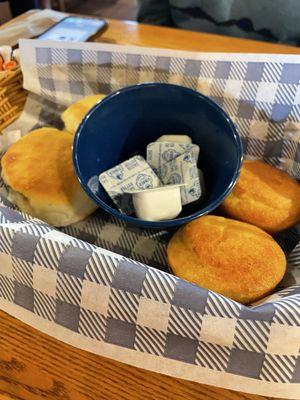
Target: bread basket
[[92, 288], [12, 96]]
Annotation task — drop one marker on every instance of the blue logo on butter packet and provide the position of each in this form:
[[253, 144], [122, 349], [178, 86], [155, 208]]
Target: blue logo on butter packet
[[175, 179], [116, 173], [169, 155], [195, 190], [187, 157], [144, 181]]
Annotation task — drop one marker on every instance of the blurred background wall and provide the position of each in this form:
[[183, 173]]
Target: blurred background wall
[[119, 9]]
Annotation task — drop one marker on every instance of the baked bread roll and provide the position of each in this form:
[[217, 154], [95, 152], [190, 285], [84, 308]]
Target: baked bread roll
[[39, 173], [75, 113], [264, 196], [232, 258]]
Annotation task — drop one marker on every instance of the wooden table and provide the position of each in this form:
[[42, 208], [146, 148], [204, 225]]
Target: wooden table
[[33, 365]]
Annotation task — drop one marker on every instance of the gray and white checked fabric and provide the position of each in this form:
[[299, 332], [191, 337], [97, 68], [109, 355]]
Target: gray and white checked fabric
[[95, 281], [110, 298], [263, 98]]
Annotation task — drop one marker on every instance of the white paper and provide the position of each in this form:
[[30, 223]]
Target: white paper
[[9, 137]]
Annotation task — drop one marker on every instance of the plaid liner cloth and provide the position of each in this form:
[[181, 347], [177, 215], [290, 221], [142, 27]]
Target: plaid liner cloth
[[95, 282]]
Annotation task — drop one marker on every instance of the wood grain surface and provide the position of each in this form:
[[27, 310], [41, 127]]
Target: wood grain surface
[[128, 32], [33, 365]]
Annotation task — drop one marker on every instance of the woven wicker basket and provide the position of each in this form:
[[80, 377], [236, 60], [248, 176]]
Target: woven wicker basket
[[12, 96]]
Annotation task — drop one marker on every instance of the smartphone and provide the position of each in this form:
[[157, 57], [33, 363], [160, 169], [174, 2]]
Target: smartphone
[[74, 29]]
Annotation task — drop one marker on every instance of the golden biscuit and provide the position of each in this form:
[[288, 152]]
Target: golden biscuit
[[75, 113], [39, 173], [232, 258], [264, 196]]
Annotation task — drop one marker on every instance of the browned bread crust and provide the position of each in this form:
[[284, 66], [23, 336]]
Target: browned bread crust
[[75, 113], [264, 196], [39, 171], [229, 257]]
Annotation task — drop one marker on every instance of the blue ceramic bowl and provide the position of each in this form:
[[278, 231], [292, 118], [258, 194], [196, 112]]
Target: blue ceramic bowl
[[124, 123]]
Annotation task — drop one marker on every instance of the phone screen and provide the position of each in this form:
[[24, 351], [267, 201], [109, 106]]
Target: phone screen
[[73, 29]]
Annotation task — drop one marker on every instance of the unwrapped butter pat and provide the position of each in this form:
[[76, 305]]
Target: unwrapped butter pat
[[159, 153], [133, 174], [158, 204], [175, 138], [182, 170]]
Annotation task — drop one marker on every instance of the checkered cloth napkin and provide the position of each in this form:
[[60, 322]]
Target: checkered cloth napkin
[[89, 284]]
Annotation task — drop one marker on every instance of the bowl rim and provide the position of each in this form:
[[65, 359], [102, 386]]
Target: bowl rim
[[166, 223]]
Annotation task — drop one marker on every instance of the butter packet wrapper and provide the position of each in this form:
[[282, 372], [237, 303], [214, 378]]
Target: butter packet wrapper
[[133, 174], [182, 170], [159, 153]]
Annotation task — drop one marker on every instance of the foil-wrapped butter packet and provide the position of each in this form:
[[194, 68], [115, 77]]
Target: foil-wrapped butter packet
[[175, 138], [159, 153], [182, 170], [130, 175]]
